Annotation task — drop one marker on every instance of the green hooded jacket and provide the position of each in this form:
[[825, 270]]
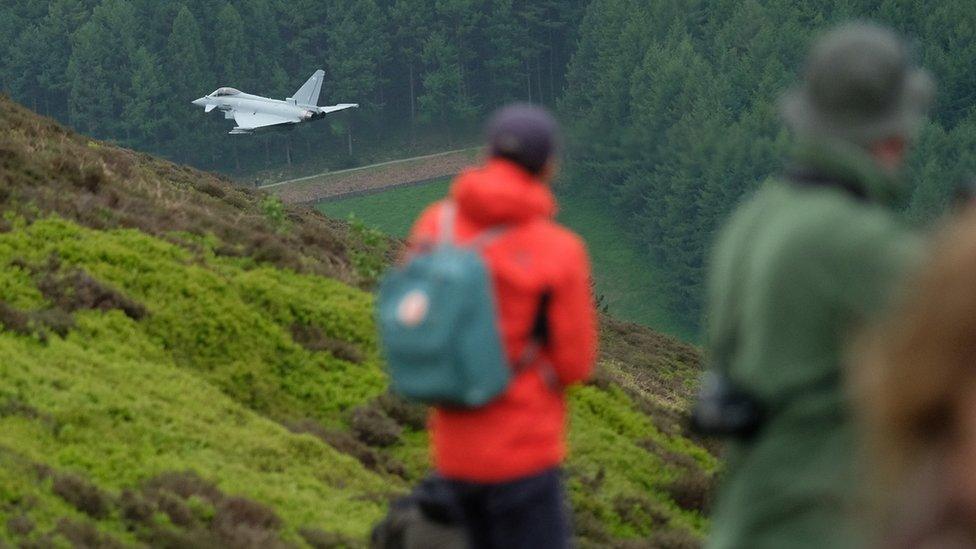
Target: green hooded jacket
[[797, 271]]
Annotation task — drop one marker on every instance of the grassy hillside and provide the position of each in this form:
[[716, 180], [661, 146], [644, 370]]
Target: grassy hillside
[[187, 364], [629, 283], [393, 211]]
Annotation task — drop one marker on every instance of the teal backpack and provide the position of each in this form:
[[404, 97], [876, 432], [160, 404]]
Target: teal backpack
[[438, 324]]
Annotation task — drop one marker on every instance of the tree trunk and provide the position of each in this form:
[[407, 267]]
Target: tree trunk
[[463, 85], [552, 70], [349, 138], [528, 78], [413, 109], [538, 78]]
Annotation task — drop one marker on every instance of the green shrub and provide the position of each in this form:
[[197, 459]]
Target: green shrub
[[369, 257], [274, 212]]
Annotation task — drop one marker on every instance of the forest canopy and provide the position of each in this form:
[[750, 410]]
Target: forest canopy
[[126, 70], [672, 110]]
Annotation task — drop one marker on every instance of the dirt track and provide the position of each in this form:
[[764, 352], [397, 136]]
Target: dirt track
[[372, 178]]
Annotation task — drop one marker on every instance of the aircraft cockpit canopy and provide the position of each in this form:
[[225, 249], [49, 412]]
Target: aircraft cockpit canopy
[[220, 92]]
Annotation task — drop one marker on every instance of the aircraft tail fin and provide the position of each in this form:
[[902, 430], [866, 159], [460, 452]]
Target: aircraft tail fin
[[308, 94]]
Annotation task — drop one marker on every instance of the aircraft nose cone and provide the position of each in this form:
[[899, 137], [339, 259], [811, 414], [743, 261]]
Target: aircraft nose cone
[[199, 102]]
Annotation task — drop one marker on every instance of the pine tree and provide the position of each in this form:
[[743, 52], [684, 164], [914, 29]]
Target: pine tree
[[230, 45], [506, 36], [98, 69], [188, 77], [443, 99], [265, 52], [38, 58], [356, 47], [409, 23], [145, 111]]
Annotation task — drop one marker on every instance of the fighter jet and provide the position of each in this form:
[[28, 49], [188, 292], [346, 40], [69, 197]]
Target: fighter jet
[[253, 112]]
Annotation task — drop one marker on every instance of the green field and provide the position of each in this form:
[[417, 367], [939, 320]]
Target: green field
[[393, 211], [628, 281]]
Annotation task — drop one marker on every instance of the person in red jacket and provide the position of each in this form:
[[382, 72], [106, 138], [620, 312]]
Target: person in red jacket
[[503, 460]]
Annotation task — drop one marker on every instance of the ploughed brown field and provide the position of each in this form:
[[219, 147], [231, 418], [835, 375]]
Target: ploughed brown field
[[374, 178]]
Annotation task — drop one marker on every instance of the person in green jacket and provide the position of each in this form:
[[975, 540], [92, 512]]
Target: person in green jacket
[[799, 268]]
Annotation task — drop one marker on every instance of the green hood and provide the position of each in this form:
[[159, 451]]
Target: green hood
[[851, 164]]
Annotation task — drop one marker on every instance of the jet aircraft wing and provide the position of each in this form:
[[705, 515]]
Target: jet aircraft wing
[[339, 107], [252, 120]]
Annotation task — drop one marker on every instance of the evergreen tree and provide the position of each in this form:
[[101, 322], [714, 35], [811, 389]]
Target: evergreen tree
[[188, 77], [506, 36], [230, 45], [266, 50], [356, 47], [443, 99], [98, 69], [145, 112], [21, 80], [409, 24], [460, 19]]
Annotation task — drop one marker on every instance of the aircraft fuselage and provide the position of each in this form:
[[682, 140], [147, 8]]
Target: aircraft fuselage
[[254, 112]]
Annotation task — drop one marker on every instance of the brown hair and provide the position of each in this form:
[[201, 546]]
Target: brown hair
[[914, 368]]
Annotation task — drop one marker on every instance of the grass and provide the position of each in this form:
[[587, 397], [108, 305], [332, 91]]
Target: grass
[[627, 279], [392, 211]]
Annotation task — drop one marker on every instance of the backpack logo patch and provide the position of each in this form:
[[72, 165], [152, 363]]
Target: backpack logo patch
[[413, 308]]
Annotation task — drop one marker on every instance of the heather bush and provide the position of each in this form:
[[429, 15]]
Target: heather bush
[[82, 495], [227, 352], [320, 539], [408, 414], [347, 443], [374, 427], [20, 525]]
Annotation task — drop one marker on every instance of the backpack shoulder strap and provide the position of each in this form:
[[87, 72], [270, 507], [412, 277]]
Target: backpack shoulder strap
[[538, 339], [488, 236], [446, 223]]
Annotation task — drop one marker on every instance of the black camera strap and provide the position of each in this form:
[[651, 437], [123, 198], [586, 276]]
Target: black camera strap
[[724, 409]]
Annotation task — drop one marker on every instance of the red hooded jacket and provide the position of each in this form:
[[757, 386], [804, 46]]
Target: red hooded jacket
[[523, 431]]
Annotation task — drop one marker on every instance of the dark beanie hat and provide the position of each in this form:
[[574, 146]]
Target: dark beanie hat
[[525, 134]]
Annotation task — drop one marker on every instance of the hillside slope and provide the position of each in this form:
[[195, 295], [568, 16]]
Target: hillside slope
[[188, 364]]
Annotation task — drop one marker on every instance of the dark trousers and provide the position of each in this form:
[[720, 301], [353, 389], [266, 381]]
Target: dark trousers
[[528, 513]]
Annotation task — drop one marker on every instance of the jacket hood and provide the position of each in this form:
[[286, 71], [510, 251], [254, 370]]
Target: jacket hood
[[502, 192], [847, 162]]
